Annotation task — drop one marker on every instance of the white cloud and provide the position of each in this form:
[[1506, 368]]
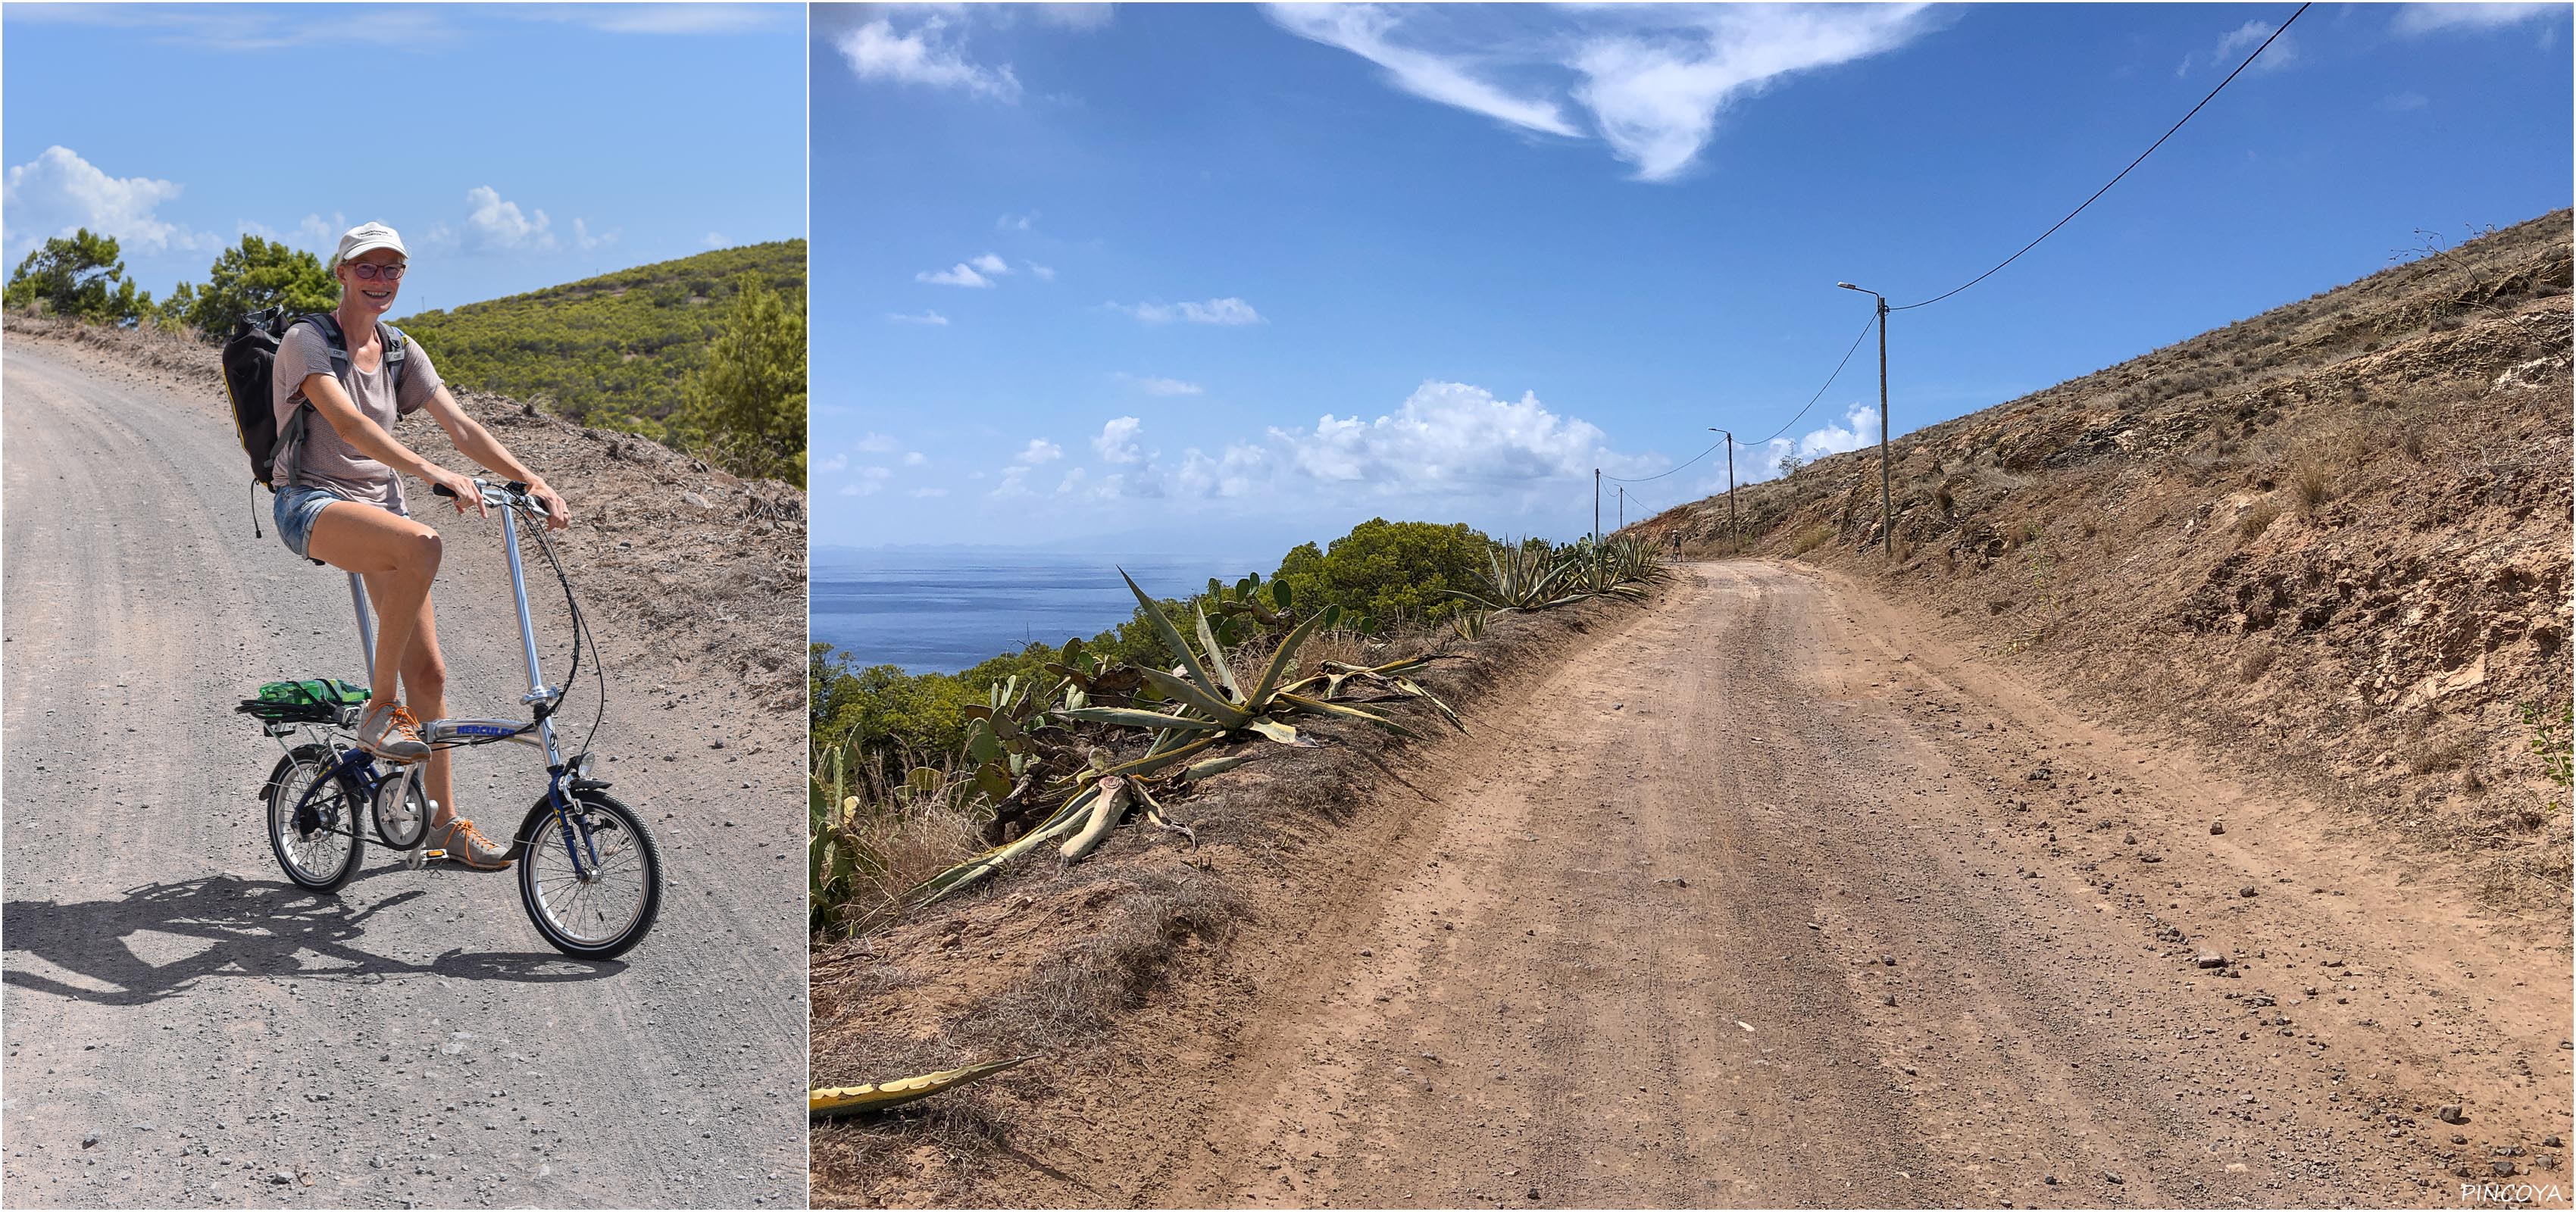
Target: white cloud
[[1045, 273], [1027, 222], [2429, 18], [581, 235], [928, 317], [1039, 450], [1214, 311], [1859, 431], [1362, 29], [1014, 484], [850, 490], [1072, 482], [1656, 94], [58, 193], [717, 239], [1654, 78], [232, 28], [1447, 440], [926, 56], [960, 274], [988, 263], [831, 463], [877, 443], [914, 458], [1117, 441], [928, 493], [871, 481], [493, 225], [2401, 102]]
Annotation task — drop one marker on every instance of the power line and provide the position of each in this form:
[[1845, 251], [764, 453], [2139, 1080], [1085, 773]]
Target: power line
[[1863, 335], [1793, 420], [1661, 474], [2106, 187]]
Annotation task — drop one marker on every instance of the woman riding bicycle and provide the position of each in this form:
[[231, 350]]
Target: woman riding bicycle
[[340, 501]]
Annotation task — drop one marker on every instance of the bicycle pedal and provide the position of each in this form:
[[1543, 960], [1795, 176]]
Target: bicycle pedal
[[427, 855]]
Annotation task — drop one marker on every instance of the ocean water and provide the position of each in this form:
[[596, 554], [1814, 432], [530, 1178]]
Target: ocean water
[[942, 610]]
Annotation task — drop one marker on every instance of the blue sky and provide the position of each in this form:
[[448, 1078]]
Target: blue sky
[[1179, 278], [513, 146]]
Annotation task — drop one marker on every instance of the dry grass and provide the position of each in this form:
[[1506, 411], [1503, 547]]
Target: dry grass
[[2258, 518], [1077, 996], [2311, 484], [1814, 538]]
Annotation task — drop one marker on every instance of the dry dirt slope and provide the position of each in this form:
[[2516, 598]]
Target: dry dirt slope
[[2330, 541], [184, 1028]]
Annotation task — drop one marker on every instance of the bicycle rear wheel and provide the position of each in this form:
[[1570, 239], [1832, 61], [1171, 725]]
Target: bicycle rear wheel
[[591, 879], [313, 830]]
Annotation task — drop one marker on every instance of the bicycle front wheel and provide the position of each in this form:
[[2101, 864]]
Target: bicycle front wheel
[[313, 820], [591, 878]]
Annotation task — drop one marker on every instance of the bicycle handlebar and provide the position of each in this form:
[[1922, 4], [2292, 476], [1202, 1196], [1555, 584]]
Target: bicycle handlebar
[[516, 492]]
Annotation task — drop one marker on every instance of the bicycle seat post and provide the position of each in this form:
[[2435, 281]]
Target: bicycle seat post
[[366, 623]]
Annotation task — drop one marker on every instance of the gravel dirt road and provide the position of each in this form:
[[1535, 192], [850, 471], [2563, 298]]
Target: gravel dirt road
[[186, 1028], [1756, 901]]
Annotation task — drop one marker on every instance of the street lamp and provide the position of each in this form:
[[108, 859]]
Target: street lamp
[[1886, 517], [1731, 535]]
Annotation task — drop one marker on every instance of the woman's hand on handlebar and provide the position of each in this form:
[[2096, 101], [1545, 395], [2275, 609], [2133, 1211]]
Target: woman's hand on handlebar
[[557, 515], [460, 487]]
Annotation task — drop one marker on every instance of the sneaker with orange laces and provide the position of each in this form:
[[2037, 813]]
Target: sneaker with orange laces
[[390, 732], [465, 844]]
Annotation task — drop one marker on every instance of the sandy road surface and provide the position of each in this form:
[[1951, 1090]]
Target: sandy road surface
[[1747, 905], [184, 1027]]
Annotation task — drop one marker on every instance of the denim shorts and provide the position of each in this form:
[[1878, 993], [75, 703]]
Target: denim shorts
[[296, 507]]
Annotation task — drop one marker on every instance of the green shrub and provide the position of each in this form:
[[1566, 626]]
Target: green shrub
[[80, 276], [1388, 570]]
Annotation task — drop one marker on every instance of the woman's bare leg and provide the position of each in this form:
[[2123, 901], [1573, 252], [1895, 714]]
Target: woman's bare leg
[[424, 690], [399, 558]]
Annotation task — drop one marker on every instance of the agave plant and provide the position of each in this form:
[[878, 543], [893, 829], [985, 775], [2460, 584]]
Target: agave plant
[[1523, 577], [1206, 697]]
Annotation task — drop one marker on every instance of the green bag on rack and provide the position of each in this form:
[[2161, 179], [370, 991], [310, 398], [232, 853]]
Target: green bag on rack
[[316, 700]]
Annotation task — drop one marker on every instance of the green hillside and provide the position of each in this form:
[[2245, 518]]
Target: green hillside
[[610, 350]]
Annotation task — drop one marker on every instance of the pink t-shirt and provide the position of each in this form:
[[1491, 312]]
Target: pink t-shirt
[[325, 459]]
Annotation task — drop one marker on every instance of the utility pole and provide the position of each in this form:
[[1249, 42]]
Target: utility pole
[[1623, 510], [1886, 516], [1731, 535], [1596, 507]]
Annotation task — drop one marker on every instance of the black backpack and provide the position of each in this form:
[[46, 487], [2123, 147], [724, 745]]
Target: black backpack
[[250, 379]]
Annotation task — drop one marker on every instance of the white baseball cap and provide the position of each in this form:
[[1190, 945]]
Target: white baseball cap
[[367, 237]]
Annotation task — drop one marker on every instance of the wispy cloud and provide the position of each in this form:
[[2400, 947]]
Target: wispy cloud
[[877, 443], [1654, 79], [1214, 311], [960, 274], [2430, 18], [2236, 43], [928, 317], [1154, 385], [494, 225], [1364, 29], [1038, 451], [58, 193], [1043, 273], [832, 462], [928, 54]]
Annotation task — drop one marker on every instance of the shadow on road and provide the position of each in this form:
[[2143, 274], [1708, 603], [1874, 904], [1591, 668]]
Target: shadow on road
[[257, 928]]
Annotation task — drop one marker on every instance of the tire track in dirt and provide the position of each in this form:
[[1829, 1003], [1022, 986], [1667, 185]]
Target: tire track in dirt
[[1747, 905], [409, 1040]]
